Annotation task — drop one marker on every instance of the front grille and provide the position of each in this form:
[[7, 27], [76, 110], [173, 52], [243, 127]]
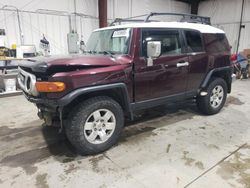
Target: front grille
[[27, 82], [27, 69]]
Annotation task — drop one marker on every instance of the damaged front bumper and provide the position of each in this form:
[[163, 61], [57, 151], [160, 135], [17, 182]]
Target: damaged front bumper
[[47, 109]]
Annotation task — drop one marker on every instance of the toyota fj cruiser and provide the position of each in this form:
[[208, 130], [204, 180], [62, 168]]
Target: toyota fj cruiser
[[126, 68]]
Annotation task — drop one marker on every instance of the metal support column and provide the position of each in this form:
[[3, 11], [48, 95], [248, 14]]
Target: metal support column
[[240, 27], [195, 7], [102, 9]]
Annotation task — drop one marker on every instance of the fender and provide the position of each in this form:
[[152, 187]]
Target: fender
[[228, 71], [67, 99]]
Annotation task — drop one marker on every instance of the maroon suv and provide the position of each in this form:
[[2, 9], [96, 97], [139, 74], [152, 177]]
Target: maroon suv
[[127, 68]]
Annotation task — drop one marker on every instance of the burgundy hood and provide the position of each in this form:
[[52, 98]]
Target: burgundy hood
[[44, 64]]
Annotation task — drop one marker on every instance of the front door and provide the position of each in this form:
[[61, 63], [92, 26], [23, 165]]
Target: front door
[[167, 76]]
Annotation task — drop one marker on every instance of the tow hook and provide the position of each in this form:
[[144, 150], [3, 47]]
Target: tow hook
[[40, 114], [48, 120], [203, 93], [46, 117]]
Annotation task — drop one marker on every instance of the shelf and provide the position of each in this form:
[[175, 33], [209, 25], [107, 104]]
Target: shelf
[[10, 94]]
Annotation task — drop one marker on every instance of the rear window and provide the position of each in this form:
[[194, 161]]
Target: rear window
[[216, 43], [194, 42]]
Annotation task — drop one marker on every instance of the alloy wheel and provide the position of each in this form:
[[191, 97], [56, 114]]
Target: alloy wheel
[[100, 126], [216, 96]]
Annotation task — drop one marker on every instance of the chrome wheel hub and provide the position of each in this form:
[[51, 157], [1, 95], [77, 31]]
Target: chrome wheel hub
[[216, 96], [100, 126]]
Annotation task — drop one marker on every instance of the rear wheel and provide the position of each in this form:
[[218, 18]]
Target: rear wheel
[[95, 125], [215, 99], [246, 72]]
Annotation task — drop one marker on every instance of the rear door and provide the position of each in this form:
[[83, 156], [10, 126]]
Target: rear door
[[167, 76], [197, 58]]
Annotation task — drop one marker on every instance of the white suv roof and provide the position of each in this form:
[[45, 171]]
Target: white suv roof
[[179, 25]]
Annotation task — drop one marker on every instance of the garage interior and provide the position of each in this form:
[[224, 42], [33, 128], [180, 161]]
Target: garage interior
[[166, 146]]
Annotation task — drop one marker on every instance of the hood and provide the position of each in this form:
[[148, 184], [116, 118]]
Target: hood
[[68, 63]]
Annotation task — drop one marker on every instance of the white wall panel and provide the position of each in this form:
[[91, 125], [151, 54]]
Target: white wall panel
[[129, 8], [225, 14], [55, 28], [84, 6]]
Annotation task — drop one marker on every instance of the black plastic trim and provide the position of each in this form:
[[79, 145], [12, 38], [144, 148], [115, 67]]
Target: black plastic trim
[[210, 73], [36, 100], [74, 94], [67, 99], [162, 100]]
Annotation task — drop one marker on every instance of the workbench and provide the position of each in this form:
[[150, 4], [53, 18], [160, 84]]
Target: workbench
[[8, 69]]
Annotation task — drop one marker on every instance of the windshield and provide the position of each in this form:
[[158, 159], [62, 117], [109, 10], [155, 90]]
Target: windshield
[[115, 41]]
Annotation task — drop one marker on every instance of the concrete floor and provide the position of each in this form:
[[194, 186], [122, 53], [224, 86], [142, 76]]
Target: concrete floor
[[165, 147]]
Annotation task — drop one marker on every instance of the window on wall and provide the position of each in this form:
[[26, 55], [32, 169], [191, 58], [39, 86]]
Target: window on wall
[[170, 41], [194, 42]]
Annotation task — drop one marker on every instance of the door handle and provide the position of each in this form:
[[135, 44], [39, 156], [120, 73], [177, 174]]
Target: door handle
[[182, 64]]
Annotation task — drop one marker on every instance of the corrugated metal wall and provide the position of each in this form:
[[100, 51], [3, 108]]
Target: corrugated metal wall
[[129, 8], [56, 27], [225, 14]]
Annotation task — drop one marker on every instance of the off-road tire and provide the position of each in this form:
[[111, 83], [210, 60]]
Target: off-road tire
[[246, 72], [203, 102], [75, 125]]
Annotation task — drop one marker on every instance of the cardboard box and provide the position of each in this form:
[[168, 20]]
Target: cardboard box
[[246, 53]]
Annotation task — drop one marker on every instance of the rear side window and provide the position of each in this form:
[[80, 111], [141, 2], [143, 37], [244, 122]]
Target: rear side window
[[170, 41], [194, 42], [216, 43]]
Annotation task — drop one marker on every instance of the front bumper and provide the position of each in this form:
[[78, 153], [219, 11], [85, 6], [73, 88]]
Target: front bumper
[[47, 109], [38, 101], [46, 105]]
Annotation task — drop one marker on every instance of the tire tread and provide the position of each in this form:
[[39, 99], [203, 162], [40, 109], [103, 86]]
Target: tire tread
[[75, 132]]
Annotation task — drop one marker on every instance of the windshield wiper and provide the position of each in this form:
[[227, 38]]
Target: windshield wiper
[[107, 53], [101, 52], [91, 52]]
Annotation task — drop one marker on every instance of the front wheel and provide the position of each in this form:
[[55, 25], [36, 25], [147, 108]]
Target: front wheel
[[213, 102], [95, 125]]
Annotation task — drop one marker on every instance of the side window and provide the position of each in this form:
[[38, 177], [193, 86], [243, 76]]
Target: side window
[[194, 42], [170, 41], [216, 43]]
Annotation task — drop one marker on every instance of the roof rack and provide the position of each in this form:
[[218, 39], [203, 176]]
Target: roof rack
[[120, 20], [185, 18]]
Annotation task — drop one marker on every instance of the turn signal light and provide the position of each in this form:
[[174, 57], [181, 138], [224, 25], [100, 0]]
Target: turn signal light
[[49, 87]]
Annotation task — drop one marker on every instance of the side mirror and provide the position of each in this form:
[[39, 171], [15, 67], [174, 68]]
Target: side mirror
[[153, 51]]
